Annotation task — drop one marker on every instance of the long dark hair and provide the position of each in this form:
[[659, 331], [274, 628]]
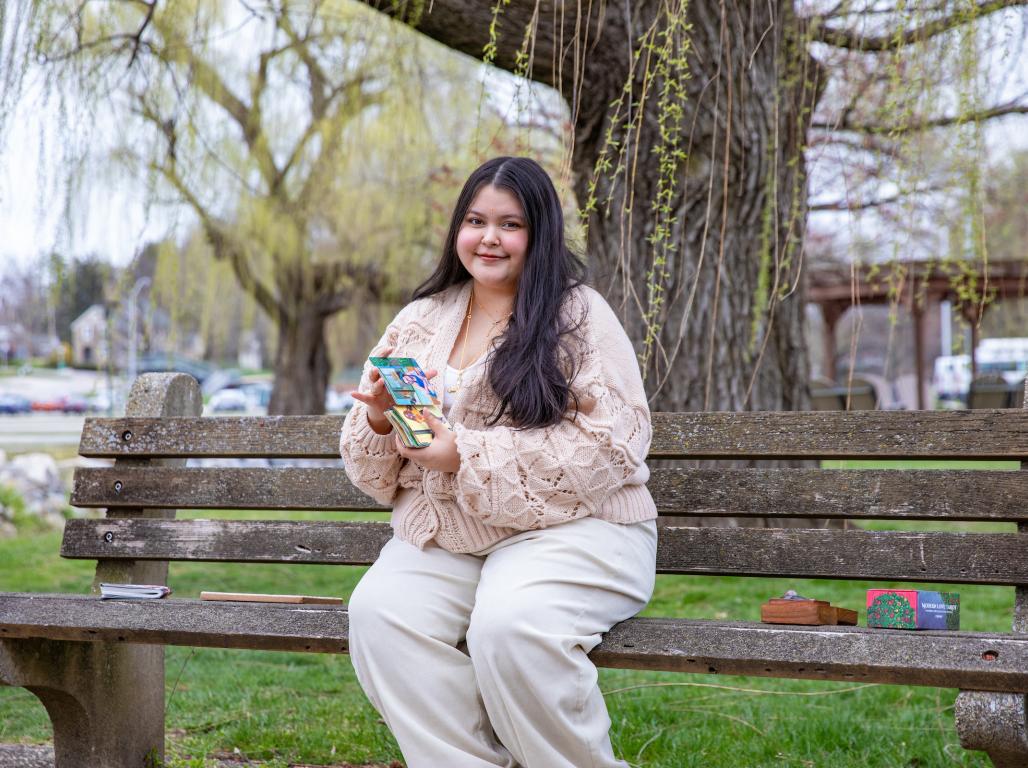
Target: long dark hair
[[533, 362]]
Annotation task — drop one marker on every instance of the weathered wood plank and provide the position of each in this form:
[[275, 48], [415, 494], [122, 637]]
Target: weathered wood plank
[[259, 626], [220, 488], [859, 494], [850, 494], [292, 541], [960, 558], [985, 434], [856, 654], [953, 558], [974, 661], [213, 436]]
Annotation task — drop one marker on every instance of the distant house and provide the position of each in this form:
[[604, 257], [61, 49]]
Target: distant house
[[14, 343], [89, 347]]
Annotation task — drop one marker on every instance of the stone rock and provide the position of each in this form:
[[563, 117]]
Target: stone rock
[[37, 468], [52, 520], [36, 479]]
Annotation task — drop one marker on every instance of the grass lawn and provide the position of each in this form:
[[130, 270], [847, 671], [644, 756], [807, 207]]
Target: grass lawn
[[286, 708]]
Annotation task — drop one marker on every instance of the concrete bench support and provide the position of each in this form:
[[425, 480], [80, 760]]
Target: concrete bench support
[[994, 723], [997, 723], [106, 700]]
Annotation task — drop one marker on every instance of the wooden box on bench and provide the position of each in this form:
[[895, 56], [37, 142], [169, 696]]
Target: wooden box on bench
[[808, 612]]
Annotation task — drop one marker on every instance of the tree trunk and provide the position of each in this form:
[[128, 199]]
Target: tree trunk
[[302, 367], [728, 321]]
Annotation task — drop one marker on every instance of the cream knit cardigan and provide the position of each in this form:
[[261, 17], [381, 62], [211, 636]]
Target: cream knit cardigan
[[510, 479]]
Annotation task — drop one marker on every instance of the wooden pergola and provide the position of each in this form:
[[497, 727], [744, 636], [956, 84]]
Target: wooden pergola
[[918, 286]]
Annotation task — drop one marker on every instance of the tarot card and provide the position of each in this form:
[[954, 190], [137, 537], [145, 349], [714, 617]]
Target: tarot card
[[405, 380]]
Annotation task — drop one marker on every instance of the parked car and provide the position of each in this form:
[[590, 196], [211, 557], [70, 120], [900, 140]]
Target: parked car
[[11, 403], [100, 402], [219, 379], [227, 400], [160, 363], [338, 402], [258, 393], [61, 404], [48, 405], [74, 404], [952, 377]]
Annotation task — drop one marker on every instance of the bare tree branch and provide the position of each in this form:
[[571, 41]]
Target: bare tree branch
[[355, 101], [150, 8], [820, 31], [1015, 107], [366, 278], [224, 245], [354, 86], [214, 87], [315, 73], [862, 205]]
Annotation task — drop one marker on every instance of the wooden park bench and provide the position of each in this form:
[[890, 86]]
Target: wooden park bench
[[98, 666]]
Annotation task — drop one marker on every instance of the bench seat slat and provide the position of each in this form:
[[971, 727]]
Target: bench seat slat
[[968, 660], [856, 494], [981, 434], [959, 558]]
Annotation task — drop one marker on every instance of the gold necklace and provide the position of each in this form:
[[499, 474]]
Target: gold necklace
[[489, 314], [467, 333]]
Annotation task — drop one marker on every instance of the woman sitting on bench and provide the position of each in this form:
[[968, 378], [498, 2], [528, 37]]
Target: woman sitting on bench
[[527, 531]]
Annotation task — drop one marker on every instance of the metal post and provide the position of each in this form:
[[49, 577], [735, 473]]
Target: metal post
[[141, 283]]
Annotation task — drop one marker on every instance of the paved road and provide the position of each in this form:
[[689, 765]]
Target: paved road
[[46, 383], [39, 429]]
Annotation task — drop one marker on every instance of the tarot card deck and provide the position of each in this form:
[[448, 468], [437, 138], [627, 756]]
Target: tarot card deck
[[412, 394]]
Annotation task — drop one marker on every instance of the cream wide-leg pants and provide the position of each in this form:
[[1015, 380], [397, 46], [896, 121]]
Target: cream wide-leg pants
[[530, 608]]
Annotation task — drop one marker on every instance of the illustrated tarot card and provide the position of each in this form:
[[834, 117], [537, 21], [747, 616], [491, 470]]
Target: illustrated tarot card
[[406, 381]]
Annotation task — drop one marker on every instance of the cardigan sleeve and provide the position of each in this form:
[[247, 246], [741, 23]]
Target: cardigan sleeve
[[535, 478], [370, 459]]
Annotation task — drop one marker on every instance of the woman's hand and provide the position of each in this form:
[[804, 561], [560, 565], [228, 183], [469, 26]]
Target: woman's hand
[[378, 400], [441, 454]]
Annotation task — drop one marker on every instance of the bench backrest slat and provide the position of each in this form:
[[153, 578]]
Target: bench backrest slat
[[814, 493], [983, 434], [992, 558], [986, 434]]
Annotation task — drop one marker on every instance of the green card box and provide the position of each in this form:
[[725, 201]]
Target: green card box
[[912, 609]]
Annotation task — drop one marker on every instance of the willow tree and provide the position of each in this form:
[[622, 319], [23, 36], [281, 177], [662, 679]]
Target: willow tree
[[691, 124], [291, 131]]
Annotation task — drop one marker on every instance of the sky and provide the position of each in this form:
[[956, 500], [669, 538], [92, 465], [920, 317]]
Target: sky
[[113, 220], [33, 219]]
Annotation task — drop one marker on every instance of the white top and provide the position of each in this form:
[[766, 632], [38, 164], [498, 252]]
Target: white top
[[450, 379]]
